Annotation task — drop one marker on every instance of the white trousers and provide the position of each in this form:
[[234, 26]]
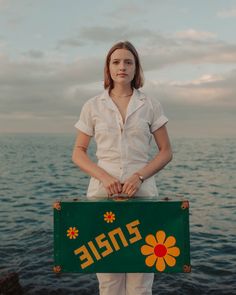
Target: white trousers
[[125, 283]]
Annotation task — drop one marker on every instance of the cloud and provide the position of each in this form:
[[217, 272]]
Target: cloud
[[40, 87], [192, 34], [188, 53], [3, 45], [109, 34], [46, 88], [227, 13], [95, 34], [37, 54], [127, 9], [38, 83], [202, 107], [47, 97], [209, 90], [206, 78], [104, 34], [70, 42], [15, 22], [158, 50], [4, 4], [190, 46]]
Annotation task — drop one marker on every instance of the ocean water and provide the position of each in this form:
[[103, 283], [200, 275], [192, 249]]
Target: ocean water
[[36, 170]]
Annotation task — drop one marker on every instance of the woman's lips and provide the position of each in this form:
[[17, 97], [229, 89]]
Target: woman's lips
[[122, 74]]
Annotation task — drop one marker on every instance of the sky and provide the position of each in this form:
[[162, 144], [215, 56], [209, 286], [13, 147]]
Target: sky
[[52, 55]]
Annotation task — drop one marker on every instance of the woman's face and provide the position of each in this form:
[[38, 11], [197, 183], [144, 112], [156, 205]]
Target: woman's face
[[122, 66]]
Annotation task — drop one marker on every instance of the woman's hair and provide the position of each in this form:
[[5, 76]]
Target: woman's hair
[[138, 79]]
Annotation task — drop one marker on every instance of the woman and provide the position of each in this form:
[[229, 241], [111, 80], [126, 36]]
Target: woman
[[123, 121]]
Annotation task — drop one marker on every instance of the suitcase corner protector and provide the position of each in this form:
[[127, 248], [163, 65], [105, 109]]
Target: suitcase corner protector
[[185, 204], [187, 268], [57, 269], [57, 205]]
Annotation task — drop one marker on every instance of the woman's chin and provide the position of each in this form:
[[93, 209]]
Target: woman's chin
[[122, 81]]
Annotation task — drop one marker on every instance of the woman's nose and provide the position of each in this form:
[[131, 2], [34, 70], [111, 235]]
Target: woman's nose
[[122, 66]]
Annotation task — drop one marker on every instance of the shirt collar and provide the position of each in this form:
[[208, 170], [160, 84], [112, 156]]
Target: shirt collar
[[137, 94], [136, 101]]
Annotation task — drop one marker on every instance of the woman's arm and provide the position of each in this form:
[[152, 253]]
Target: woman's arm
[[81, 159], [163, 157]]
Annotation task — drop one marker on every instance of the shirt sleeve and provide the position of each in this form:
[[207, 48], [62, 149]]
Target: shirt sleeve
[[159, 119], [85, 123]]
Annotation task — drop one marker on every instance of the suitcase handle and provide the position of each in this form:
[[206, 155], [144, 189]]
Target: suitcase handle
[[119, 197]]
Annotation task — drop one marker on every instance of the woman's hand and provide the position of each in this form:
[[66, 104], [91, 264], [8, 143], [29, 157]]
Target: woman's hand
[[131, 185], [112, 185]]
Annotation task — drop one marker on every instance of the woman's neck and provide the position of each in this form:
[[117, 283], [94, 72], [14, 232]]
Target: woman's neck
[[122, 90]]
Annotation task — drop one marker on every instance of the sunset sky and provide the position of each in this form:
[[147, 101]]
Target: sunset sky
[[52, 56]]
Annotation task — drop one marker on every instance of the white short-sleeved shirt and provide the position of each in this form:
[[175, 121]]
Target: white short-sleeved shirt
[[122, 148]]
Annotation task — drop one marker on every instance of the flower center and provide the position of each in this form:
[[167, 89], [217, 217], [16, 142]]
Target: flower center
[[72, 233], [160, 250]]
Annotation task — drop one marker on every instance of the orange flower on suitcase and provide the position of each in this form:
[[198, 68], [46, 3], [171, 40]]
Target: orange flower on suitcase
[[160, 250], [109, 217], [72, 233]]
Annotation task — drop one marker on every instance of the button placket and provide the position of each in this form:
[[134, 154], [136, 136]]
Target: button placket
[[123, 154], [121, 123]]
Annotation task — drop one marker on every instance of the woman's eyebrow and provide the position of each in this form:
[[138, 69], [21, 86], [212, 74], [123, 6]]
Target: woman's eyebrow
[[126, 59]]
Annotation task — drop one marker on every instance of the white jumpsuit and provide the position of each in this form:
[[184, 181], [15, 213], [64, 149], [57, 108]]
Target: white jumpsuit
[[122, 149]]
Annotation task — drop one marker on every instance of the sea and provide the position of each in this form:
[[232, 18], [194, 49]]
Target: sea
[[36, 170]]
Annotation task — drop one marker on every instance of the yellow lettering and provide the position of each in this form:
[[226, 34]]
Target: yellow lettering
[[132, 229], [84, 256], [121, 235], [105, 244], [94, 250]]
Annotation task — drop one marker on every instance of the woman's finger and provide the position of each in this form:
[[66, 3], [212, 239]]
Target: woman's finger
[[128, 189], [119, 186], [131, 192], [124, 187], [113, 189]]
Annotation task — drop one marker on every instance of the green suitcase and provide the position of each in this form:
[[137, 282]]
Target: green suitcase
[[120, 235]]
